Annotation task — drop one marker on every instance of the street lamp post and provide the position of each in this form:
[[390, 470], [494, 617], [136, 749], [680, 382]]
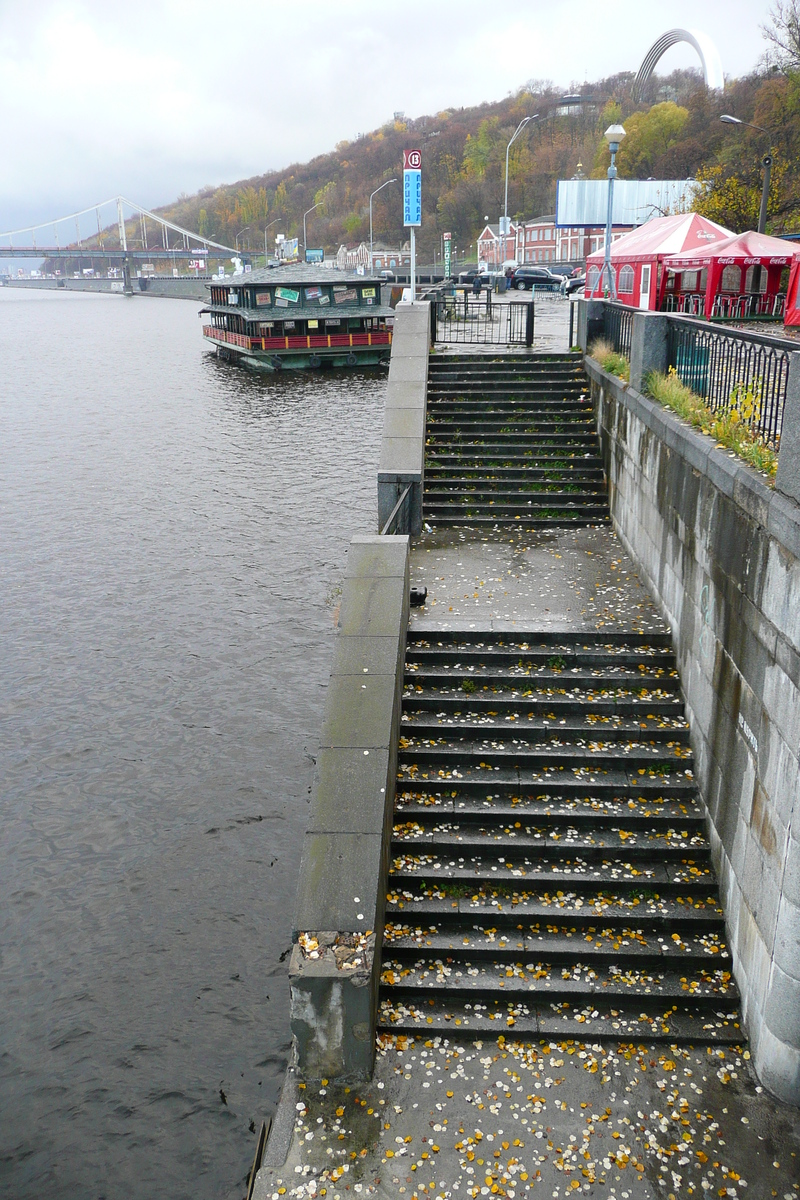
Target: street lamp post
[[239, 234], [613, 135], [305, 214], [514, 137], [766, 163], [377, 189], [266, 227]]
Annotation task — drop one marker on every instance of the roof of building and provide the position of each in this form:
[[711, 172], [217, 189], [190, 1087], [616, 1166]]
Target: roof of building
[[296, 312], [304, 274]]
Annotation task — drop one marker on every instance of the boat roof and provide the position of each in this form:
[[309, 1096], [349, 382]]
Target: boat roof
[[299, 313], [302, 274]]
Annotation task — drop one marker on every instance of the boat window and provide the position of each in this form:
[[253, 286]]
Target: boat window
[[263, 299], [731, 279]]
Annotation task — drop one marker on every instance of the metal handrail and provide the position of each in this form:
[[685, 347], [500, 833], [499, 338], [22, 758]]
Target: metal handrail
[[396, 508], [764, 339]]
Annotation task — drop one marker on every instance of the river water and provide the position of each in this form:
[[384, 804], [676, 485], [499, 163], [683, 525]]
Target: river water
[[173, 533]]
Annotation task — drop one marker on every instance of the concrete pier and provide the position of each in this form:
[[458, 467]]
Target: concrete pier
[[453, 1112]]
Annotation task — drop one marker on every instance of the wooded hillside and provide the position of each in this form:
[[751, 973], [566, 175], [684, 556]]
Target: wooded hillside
[[674, 133]]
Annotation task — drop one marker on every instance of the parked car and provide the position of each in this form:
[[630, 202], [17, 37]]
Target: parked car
[[576, 283], [387, 275], [525, 278], [564, 270], [468, 275]]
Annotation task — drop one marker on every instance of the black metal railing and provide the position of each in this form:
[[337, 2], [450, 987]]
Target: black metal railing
[[475, 320], [733, 369], [399, 520], [618, 326]]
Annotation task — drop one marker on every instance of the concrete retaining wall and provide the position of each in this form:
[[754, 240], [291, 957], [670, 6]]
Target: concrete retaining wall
[[402, 458], [334, 970], [177, 289], [720, 550]]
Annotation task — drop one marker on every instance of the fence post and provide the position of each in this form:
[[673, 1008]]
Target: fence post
[[529, 325], [787, 479], [590, 322], [648, 346], [434, 314]]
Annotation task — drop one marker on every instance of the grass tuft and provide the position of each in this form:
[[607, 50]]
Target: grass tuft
[[610, 360], [729, 427]]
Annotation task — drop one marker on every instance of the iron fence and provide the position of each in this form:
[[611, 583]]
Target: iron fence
[[731, 368], [475, 320], [618, 326]]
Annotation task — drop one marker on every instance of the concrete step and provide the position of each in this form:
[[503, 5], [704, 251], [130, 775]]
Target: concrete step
[[539, 978], [578, 870], [662, 839], [595, 1020], [585, 909], [578, 807], [564, 943]]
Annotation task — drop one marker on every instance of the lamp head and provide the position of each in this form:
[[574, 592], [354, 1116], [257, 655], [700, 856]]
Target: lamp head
[[614, 135], [729, 120]]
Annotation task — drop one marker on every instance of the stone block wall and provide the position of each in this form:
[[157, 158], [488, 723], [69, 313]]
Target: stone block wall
[[402, 460], [720, 551], [334, 968]]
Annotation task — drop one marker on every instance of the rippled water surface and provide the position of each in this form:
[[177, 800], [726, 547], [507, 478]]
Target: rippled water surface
[[173, 532]]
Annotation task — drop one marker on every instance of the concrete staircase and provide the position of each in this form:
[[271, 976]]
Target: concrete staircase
[[511, 441], [550, 871]]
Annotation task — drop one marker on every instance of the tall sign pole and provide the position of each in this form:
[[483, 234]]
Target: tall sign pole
[[448, 243], [412, 205]]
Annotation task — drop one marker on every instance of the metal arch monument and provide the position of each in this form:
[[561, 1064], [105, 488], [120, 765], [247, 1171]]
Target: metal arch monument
[[706, 50]]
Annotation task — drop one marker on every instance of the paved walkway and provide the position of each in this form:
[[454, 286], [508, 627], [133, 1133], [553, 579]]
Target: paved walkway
[[452, 1118]]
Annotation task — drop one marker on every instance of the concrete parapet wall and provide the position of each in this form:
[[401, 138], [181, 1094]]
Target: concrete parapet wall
[[162, 285], [721, 552], [334, 970], [402, 458]]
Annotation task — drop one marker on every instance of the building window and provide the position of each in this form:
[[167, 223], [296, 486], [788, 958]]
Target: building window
[[625, 280]]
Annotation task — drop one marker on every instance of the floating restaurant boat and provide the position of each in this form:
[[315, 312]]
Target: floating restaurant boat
[[299, 317]]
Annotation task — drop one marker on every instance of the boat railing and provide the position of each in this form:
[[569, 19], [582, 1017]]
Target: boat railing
[[307, 341]]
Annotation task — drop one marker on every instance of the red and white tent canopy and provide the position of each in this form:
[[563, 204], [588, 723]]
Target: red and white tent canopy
[[740, 249], [645, 248], [728, 278]]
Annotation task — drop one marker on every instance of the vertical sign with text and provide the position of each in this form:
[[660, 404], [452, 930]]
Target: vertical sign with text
[[412, 187], [448, 243]]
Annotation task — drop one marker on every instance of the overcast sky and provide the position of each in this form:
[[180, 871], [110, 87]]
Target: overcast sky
[[153, 99]]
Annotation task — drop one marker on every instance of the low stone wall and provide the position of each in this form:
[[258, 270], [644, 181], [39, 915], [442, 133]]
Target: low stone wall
[[402, 458], [334, 970], [720, 550], [163, 286]]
